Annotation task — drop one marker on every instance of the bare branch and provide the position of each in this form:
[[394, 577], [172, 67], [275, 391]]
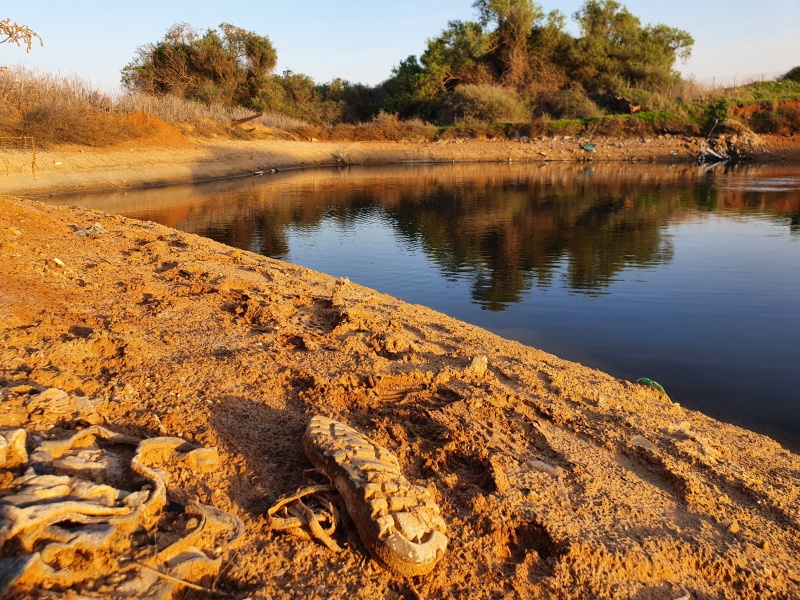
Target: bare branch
[[18, 34]]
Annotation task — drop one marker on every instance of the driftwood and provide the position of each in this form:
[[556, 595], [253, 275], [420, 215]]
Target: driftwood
[[707, 155], [235, 122], [733, 142]]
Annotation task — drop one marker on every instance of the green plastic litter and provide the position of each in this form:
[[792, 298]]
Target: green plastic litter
[[653, 384]]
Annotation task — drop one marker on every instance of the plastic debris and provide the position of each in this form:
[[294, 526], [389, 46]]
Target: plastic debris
[[653, 384]]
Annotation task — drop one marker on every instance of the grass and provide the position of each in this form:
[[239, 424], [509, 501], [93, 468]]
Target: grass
[[56, 110], [195, 117]]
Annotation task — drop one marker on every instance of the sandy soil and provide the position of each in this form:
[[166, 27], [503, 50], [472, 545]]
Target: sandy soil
[[555, 480], [169, 157]]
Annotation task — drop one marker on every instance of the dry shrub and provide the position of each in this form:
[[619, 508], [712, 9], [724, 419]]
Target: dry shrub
[[202, 119], [626, 127], [57, 110], [470, 103], [474, 131], [570, 103], [388, 127], [66, 110], [384, 127], [546, 127]]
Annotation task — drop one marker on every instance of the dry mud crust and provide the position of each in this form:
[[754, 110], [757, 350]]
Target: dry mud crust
[[398, 522]]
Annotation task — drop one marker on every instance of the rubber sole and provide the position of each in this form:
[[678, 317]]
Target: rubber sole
[[398, 522]]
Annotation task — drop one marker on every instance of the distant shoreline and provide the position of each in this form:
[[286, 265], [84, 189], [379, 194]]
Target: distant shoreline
[[71, 169]]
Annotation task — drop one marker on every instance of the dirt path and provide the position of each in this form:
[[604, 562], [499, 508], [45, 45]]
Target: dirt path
[[554, 480]]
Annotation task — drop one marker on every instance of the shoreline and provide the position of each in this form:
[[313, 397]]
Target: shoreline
[[178, 160], [156, 332]]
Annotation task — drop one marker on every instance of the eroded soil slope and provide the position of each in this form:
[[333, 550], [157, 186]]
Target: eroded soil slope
[[555, 480]]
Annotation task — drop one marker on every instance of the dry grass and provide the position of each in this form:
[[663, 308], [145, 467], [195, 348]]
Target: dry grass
[[383, 127], [56, 110], [48, 110], [198, 118]]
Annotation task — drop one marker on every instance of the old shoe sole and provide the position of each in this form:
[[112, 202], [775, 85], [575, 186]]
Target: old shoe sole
[[398, 522]]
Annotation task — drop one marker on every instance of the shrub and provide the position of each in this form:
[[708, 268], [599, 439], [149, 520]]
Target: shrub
[[792, 74], [383, 127], [483, 103], [546, 126], [571, 103], [475, 131], [193, 116], [67, 110], [784, 119]]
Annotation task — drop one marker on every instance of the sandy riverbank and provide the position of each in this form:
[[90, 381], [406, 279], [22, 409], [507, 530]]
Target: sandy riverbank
[[166, 333], [173, 158]]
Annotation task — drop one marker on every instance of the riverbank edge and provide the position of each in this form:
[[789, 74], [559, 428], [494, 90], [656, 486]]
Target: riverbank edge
[[110, 315], [67, 170]]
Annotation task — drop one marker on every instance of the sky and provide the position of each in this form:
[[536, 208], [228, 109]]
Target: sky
[[360, 40]]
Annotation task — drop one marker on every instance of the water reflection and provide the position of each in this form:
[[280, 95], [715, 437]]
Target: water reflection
[[688, 276], [506, 228]]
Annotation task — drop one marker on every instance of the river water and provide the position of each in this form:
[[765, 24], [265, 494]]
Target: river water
[[689, 276]]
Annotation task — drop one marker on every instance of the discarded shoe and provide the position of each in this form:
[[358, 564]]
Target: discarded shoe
[[398, 522]]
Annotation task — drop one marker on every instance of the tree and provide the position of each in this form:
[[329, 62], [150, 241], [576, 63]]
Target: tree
[[227, 66], [18, 34], [616, 51], [401, 92], [452, 57], [513, 20], [791, 75]]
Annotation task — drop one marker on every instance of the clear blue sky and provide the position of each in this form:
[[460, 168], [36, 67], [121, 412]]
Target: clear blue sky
[[361, 40]]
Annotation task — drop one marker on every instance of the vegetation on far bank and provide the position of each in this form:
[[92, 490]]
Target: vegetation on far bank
[[514, 71]]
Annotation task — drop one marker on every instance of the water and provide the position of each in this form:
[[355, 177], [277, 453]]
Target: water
[[688, 276]]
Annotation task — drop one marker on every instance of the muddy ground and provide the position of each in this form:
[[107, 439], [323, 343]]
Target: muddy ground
[[555, 480]]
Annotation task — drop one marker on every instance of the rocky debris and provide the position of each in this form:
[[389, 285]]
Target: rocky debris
[[729, 141], [44, 409], [96, 229]]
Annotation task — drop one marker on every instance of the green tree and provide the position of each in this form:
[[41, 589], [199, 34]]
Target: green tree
[[615, 50], [792, 74], [453, 58], [513, 22], [226, 66], [402, 91]]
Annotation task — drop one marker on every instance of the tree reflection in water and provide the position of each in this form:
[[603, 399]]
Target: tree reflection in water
[[509, 229]]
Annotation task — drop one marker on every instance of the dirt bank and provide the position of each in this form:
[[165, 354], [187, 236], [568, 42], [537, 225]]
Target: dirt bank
[[176, 159], [554, 480]]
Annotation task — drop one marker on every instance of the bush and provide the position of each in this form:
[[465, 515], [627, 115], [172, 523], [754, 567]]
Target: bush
[[784, 119], [571, 103], [475, 131], [472, 103], [792, 74], [546, 126], [193, 116], [67, 110], [384, 127]]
